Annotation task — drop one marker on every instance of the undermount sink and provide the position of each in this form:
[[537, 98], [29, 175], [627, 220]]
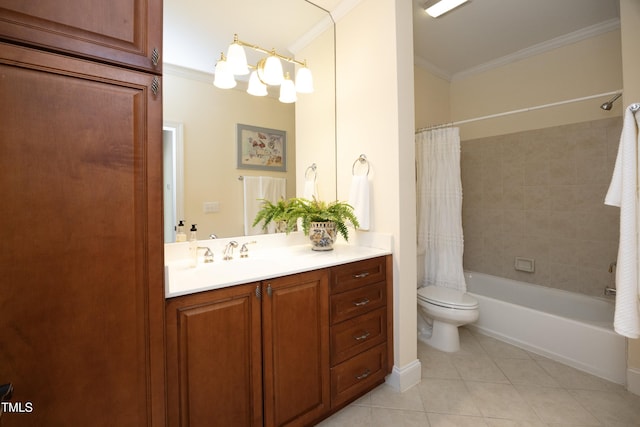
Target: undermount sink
[[261, 264]]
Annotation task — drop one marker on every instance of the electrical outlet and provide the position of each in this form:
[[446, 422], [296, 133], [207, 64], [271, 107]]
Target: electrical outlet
[[211, 207]]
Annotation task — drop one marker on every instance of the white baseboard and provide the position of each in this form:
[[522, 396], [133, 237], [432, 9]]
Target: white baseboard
[[402, 379], [633, 380]]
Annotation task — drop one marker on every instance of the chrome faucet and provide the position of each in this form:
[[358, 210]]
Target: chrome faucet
[[244, 250], [228, 250], [208, 255], [608, 290]]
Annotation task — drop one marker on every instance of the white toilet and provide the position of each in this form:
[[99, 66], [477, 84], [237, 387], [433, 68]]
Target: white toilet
[[445, 309]]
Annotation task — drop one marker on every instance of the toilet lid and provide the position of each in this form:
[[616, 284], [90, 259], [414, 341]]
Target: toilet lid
[[446, 297]]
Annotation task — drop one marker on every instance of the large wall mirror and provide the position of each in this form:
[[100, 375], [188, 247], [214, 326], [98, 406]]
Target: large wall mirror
[[203, 183]]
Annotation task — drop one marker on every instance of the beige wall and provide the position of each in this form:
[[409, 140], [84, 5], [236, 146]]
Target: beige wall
[[432, 99], [375, 118], [577, 70], [630, 23], [210, 116]]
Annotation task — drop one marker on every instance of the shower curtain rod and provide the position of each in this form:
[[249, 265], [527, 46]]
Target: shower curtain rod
[[521, 110]]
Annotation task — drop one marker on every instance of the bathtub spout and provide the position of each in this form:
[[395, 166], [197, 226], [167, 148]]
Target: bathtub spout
[[609, 291]]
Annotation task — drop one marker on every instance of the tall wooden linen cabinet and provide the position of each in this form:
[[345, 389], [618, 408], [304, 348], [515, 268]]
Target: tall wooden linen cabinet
[[81, 249]]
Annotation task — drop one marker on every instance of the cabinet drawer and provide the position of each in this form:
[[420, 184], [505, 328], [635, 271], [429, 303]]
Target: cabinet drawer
[[357, 301], [357, 274], [357, 375], [357, 335]]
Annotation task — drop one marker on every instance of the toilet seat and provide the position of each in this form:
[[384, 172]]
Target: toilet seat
[[447, 298]]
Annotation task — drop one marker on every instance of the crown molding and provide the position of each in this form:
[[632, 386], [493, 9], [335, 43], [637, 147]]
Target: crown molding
[[311, 35], [555, 43], [343, 8], [433, 69]]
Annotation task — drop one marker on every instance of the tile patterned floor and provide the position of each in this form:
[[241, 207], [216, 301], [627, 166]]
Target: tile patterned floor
[[489, 383]]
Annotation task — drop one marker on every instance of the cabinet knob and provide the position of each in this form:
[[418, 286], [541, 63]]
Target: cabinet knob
[[155, 85], [155, 56]]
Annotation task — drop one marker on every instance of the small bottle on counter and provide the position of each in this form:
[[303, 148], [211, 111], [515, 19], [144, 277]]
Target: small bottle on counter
[[181, 236], [193, 246]]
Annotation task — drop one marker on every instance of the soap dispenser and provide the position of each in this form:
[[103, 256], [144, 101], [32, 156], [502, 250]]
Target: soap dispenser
[[193, 246], [181, 236]]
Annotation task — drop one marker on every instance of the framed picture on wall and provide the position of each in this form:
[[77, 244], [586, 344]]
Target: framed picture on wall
[[261, 148]]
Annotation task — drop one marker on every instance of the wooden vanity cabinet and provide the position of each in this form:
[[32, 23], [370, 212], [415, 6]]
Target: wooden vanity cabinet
[[214, 358], [123, 32], [250, 355], [361, 328], [81, 288], [288, 351]]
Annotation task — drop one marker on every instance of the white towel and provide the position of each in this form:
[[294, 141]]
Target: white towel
[[359, 199], [623, 193], [255, 189], [310, 191]]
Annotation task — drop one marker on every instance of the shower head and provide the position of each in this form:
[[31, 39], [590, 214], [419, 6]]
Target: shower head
[[609, 104]]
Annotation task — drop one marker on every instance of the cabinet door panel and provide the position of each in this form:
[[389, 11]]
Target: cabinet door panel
[[213, 358], [295, 339], [124, 32], [81, 289]]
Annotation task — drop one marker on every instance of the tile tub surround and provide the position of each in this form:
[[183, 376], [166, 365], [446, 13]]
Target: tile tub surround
[[539, 194], [489, 383]]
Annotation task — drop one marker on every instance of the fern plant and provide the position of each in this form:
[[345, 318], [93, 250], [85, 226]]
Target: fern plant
[[288, 211]]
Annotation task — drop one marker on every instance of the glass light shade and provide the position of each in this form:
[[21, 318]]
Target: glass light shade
[[270, 70], [304, 80], [237, 60], [287, 91], [256, 87], [223, 78]]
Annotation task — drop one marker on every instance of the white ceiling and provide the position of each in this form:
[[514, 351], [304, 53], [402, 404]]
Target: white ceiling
[[474, 36], [482, 32]]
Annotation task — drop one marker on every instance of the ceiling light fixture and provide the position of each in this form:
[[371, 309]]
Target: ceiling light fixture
[[437, 8], [268, 72]]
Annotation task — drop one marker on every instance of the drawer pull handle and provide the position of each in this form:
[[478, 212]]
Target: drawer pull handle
[[363, 375], [363, 336], [361, 302], [361, 275]]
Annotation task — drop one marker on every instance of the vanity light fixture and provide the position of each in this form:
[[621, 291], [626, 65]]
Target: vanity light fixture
[[268, 72], [224, 74], [440, 7], [287, 90], [256, 87]]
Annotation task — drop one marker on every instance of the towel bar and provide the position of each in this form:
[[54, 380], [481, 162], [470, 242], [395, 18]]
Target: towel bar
[[363, 160], [313, 168]]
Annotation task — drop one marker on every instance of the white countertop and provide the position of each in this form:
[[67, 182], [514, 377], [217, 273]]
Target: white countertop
[[265, 261]]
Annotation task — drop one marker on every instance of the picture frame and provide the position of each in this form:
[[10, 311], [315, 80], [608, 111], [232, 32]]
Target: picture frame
[[261, 148]]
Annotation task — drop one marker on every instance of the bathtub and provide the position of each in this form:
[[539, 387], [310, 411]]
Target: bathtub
[[571, 328]]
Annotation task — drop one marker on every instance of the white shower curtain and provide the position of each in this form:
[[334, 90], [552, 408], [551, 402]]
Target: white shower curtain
[[439, 205]]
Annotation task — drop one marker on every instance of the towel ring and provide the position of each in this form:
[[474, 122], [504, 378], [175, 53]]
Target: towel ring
[[362, 159], [313, 168]]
